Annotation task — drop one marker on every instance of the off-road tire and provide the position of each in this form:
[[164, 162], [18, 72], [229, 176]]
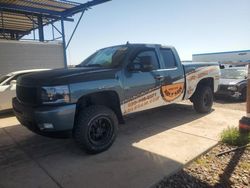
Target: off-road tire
[[203, 99], [83, 128]]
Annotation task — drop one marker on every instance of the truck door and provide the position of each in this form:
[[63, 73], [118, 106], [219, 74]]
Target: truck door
[[141, 86], [173, 84]]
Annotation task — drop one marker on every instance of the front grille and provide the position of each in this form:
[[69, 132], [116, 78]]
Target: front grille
[[27, 95]]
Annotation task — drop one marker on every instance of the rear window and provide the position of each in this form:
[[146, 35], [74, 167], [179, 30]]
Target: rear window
[[168, 58]]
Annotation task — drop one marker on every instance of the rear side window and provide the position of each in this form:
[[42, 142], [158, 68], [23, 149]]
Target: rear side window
[[168, 58]]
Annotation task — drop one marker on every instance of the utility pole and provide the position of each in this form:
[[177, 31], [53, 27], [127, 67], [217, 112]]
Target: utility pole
[[244, 124]]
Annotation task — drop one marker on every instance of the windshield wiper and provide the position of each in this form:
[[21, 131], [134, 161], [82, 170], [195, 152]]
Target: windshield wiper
[[90, 65], [78, 65], [93, 65]]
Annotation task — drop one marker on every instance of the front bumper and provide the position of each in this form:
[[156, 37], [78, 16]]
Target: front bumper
[[37, 119]]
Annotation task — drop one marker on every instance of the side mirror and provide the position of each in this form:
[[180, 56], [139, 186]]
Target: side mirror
[[13, 82], [134, 67]]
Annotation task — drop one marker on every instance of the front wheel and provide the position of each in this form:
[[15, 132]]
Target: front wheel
[[95, 128], [203, 99]]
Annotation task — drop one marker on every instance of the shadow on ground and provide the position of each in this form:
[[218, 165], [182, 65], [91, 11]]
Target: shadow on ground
[[6, 114], [227, 100]]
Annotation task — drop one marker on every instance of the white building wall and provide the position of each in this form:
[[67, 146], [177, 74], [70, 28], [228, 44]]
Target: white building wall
[[20, 55], [224, 57]]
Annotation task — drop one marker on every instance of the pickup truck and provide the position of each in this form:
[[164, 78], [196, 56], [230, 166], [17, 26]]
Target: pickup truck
[[90, 100]]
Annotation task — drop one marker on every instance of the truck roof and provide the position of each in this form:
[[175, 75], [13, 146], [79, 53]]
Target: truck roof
[[26, 71], [142, 45]]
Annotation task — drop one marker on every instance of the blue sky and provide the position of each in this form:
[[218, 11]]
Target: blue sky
[[192, 26]]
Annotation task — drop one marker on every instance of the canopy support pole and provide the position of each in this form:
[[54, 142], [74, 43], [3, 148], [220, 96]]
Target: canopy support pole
[[64, 45], [40, 28]]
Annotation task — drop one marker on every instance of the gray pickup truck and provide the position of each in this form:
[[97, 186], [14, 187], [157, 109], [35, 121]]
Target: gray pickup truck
[[90, 100]]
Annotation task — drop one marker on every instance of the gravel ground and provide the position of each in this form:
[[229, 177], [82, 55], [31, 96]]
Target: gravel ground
[[229, 170]]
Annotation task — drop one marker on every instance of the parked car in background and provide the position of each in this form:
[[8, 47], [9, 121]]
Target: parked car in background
[[8, 87], [233, 82]]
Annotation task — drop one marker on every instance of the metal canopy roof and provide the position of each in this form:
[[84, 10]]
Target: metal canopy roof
[[20, 17]]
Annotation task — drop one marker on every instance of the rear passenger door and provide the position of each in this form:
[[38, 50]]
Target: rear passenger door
[[172, 86]]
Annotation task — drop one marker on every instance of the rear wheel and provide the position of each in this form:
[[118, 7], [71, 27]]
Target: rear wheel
[[96, 128], [203, 99]]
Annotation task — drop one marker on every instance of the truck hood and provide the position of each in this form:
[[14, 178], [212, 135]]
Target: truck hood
[[231, 81], [65, 76]]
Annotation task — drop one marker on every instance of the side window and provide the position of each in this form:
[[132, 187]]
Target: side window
[[152, 54], [168, 58]]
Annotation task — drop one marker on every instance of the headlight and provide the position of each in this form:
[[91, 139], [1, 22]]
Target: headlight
[[232, 88], [55, 95]]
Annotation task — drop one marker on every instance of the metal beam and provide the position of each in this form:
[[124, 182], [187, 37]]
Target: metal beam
[[56, 29], [80, 8], [13, 31], [12, 36], [75, 29], [53, 31], [64, 45], [40, 28], [34, 28]]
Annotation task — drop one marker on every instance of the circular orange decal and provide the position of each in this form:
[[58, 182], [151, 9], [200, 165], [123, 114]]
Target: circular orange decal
[[171, 92]]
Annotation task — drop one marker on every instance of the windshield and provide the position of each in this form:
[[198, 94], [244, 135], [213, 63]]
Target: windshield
[[3, 78], [234, 73], [105, 58]]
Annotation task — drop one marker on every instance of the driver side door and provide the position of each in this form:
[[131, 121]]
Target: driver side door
[[141, 86]]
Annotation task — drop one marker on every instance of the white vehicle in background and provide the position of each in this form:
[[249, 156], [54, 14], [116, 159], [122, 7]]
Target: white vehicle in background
[[8, 87]]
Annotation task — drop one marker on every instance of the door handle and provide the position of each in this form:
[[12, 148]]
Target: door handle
[[159, 77]]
